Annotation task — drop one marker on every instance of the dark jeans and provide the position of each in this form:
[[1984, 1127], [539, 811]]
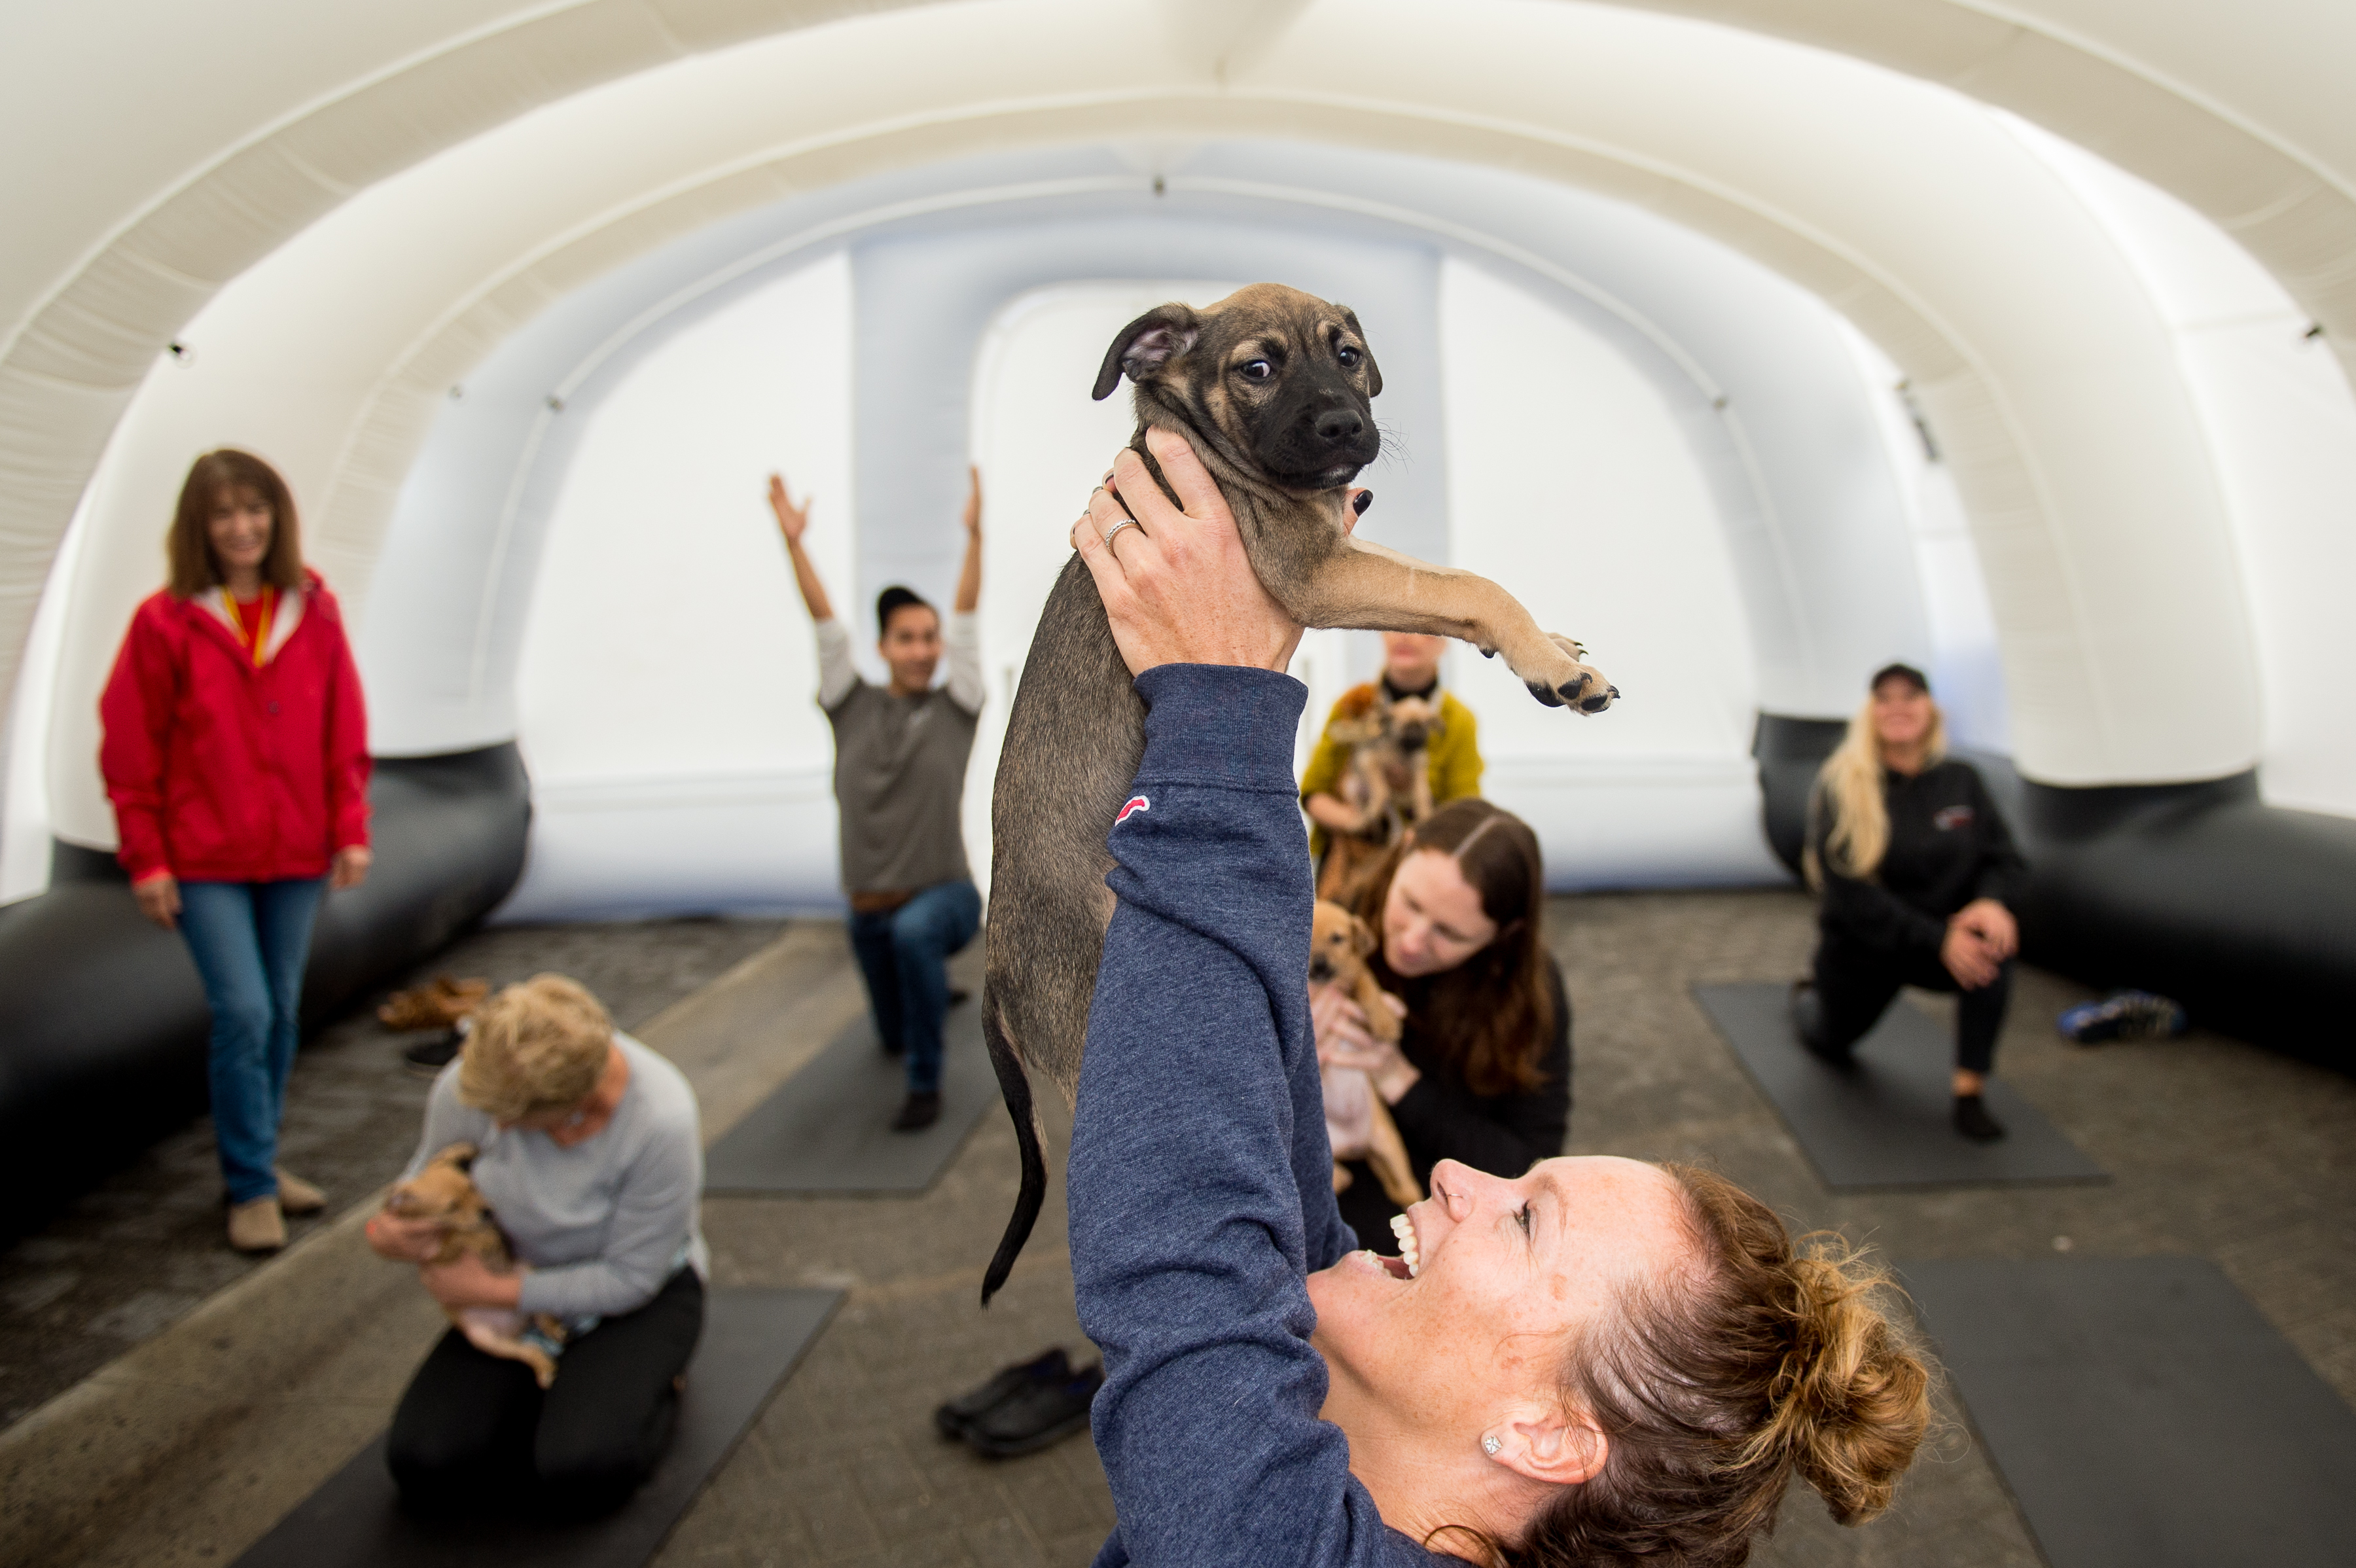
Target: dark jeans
[[1855, 986], [903, 955], [475, 1433], [250, 941]]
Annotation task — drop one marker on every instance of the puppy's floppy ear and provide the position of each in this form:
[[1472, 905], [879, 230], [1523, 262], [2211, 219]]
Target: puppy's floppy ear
[[1146, 344], [1374, 372], [458, 1156], [1362, 935]]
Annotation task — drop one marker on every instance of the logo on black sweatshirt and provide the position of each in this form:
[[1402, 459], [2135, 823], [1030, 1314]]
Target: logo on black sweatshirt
[[1947, 819], [1136, 803]]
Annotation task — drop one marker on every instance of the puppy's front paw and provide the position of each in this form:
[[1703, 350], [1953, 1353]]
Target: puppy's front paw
[[1567, 682]]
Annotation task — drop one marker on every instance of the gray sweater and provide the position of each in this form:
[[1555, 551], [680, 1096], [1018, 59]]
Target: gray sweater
[[899, 764], [601, 1226]]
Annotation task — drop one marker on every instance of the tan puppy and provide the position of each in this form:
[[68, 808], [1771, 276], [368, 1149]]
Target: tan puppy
[[1356, 1120], [445, 1193], [1388, 783]]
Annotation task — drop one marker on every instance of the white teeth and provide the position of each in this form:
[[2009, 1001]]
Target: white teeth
[[1404, 1229]]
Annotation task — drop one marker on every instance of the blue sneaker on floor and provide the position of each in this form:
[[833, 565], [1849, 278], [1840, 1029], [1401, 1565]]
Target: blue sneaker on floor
[[2123, 1015]]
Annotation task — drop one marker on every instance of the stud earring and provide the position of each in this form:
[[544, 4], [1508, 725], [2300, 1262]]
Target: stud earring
[[1490, 1445]]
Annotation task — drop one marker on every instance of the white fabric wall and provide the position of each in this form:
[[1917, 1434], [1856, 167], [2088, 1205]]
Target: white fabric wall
[[666, 691]]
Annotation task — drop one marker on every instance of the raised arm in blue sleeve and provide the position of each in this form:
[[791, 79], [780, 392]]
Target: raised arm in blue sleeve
[[1200, 1180]]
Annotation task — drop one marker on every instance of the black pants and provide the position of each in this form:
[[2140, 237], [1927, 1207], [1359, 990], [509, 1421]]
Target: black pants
[[475, 1434], [1856, 985]]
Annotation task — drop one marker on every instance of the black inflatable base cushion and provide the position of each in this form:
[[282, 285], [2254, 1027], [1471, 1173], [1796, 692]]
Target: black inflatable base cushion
[[751, 1338], [2143, 1413]]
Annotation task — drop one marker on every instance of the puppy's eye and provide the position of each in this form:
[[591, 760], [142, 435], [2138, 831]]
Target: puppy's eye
[[1258, 370], [1349, 356]]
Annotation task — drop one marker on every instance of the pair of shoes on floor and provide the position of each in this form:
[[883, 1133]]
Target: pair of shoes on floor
[[1026, 1407], [917, 1113], [426, 1058], [436, 1004], [2123, 1015], [1972, 1121], [257, 1226]]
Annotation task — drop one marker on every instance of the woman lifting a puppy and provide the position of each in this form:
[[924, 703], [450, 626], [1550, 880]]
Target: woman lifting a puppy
[[589, 1159], [1595, 1361], [1482, 1073]]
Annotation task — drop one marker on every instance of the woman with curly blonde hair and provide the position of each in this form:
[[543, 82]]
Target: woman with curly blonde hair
[[1916, 874], [588, 1154]]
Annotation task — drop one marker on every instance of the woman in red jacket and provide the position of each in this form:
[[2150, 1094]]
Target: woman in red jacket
[[236, 756]]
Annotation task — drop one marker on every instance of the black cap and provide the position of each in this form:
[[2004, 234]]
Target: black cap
[[895, 598], [1900, 672]]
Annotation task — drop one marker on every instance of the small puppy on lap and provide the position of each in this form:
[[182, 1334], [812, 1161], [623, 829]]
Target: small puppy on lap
[[445, 1193], [1357, 1124]]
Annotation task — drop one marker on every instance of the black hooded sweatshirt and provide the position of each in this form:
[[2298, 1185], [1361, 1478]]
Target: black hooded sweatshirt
[[1948, 846]]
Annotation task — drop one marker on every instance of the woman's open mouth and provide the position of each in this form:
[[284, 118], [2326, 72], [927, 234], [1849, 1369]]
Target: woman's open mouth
[[1410, 1263]]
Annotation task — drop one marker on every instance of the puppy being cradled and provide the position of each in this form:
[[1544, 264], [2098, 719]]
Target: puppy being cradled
[[1388, 783], [445, 1193], [1357, 1124]]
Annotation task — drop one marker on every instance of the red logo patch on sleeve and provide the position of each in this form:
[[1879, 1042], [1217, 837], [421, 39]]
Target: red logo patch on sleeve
[[1136, 803]]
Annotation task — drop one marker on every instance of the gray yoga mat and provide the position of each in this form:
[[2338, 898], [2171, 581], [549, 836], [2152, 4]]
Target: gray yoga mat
[[2144, 1415], [751, 1340], [828, 1129], [1883, 1122]]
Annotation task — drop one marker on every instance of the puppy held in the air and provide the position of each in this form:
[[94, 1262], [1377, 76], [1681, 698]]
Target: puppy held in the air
[[1272, 391], [1357, 1124], [445, 1193], [1388, 783]]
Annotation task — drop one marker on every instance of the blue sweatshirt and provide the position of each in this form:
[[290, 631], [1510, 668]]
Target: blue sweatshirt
[[1200, 1181]]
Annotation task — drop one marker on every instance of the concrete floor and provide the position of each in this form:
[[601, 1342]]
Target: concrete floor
[[190, 1445]]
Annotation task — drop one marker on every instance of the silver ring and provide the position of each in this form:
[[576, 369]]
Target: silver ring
[[1115, 528]]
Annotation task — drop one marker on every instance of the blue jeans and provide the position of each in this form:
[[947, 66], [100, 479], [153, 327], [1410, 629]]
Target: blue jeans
[[904, 956], [249, 940]]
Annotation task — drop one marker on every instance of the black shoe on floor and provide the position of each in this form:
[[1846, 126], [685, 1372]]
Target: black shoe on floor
[[1972, 1121], [1036, 1415], [427, 1057], [960, 998], [917, 1113], [957, 1417]]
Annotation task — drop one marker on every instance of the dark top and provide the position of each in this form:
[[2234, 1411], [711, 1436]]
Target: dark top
[[1948, 846], [1442, 1119], [1200, 1181]]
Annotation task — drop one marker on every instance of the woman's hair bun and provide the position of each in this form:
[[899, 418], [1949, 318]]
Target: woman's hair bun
[[1850, 1402]]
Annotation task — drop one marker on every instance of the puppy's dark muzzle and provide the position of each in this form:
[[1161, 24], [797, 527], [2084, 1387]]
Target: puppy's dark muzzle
[[1412, 736], [1319, 971]]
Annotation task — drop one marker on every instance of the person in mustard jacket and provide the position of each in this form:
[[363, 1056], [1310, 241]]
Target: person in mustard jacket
[[235, 754], [1410, 669]]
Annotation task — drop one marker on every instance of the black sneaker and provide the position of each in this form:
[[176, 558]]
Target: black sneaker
[[1036, 1415], [428, 1057], [958, 1415], [1972, 1121], [917, 1113]]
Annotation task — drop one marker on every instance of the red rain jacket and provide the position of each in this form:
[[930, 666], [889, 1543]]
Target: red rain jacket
[[221, 772]]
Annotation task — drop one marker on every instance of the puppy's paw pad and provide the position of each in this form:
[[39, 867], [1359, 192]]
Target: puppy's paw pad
[[1543, 693]]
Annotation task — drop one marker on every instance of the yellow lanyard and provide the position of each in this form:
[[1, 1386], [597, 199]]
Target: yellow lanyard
[[258, 640]]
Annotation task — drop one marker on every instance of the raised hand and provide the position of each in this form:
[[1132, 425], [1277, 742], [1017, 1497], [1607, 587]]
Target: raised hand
[[792, 520]]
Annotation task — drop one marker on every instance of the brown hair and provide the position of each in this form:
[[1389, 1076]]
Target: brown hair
[[189, 545], [539, 1045], [1492, 1016], [1763, 1359]]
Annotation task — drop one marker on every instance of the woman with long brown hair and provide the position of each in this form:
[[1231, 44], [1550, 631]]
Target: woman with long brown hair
[[1482, 1073], [236, 757], [1916, 873]]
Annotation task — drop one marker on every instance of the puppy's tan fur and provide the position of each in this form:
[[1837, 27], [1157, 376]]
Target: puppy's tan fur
[[1387, 782], [1338, 945], [445, 1193], [1247, 382]]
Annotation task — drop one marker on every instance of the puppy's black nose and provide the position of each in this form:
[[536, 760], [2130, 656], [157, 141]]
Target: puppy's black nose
[[1336, 426]]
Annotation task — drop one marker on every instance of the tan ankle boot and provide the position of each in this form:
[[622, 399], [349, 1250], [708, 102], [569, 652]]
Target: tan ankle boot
[[257, 1227], [296, 1195]]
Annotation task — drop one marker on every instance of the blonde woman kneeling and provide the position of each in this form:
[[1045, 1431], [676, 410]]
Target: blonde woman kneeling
[[1917, 874], [592, 1161]]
